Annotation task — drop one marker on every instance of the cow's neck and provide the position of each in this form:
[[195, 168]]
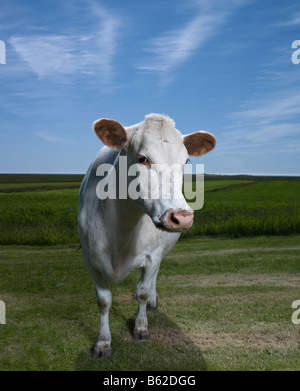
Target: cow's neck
[[126, 215]]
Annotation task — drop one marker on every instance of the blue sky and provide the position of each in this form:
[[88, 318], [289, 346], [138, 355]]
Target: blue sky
[[215, 65]]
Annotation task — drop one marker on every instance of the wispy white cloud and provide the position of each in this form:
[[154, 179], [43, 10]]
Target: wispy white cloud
[[293, 21], [49, 55], [60, 56], [54, 139], [234, 147], [271, 109], [271, 122], [177, 46]]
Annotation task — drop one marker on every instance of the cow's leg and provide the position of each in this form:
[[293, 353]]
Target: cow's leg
[[152, 301], [147, 274], [103, 294]]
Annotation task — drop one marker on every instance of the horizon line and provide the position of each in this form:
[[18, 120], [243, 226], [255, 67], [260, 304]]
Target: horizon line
[[216, 174]]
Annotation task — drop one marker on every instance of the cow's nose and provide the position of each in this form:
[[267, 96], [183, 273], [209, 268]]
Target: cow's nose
[[180, 220]]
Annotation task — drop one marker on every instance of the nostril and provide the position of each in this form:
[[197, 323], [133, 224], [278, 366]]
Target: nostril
[[174, 219], [177, 221]]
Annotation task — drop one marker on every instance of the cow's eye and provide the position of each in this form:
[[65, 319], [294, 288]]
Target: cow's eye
[[143, 160], [187, 161]]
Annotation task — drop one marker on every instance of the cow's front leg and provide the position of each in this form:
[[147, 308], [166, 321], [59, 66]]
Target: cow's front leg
[[102, 345], [143, 290]]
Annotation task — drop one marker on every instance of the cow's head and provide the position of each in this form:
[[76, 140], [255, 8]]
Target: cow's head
[[159, 151]]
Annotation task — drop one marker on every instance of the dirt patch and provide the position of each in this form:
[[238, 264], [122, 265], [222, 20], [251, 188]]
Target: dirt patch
[[123, 298], [230, 298], [206, 340], [286, 340], [168, 337], [235, 279], [232, 251]]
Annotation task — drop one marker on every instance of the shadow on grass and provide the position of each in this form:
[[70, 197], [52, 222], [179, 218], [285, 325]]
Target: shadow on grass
[[168, 349]]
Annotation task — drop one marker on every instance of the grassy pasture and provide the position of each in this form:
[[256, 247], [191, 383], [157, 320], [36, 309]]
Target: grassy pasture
[[224, 304], [225, 291]]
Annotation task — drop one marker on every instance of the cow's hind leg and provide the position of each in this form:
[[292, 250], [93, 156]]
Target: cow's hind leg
[[103, 294], [143, 290], [152, 301]]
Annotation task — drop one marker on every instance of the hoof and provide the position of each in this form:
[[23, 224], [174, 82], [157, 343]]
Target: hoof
[[101, 351], [152, 306], [140, 335]]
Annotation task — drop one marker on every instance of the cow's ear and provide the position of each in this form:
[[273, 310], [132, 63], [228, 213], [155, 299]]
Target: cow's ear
[[111, 133], [199, 143]]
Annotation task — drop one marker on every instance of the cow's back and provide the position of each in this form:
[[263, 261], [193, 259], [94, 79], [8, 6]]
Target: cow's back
[[105, 156]]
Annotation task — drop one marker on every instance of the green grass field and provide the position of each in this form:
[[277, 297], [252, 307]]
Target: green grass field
[[225, 290], [224, 304]]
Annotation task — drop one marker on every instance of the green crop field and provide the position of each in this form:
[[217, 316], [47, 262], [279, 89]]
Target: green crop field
[[225, 291], [257, 208], [44, 213]]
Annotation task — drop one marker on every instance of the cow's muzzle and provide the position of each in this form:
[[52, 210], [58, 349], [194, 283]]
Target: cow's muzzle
[[175, 221]]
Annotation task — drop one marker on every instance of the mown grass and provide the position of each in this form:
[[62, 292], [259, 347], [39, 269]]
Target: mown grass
[[224, 304], [232, 207]]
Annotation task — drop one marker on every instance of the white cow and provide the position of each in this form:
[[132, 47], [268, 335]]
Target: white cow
[[122, 234]]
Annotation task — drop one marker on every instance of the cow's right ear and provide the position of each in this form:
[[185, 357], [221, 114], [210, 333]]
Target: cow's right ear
[[111, 133]]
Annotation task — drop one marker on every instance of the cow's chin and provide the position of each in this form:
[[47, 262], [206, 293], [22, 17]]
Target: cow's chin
[[166, 228]]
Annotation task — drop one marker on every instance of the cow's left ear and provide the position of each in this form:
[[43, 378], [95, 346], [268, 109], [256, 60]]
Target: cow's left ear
[[111, 133], [199, 143]]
